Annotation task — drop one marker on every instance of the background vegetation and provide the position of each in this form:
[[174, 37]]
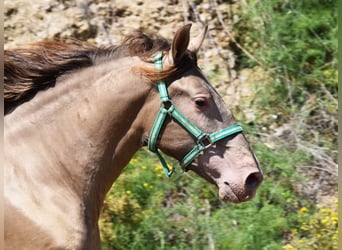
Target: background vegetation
[[294, 135]]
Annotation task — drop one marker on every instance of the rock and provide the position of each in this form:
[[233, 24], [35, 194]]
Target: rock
[[106, 22]]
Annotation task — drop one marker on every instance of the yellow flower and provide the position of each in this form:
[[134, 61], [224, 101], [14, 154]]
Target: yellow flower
[[158, 168], [303, 210], [334, 217], [128, 192], [134, 161], [288, 247], [325, 220], [324, 210], [326, 73], [145, 185]]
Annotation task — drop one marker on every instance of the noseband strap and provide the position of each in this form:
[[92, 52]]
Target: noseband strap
[[203, 140]]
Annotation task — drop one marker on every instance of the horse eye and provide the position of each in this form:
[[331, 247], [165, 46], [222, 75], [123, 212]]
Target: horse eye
[[200, 102]]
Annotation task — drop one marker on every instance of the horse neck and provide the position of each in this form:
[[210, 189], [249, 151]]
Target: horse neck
[[86, 127]]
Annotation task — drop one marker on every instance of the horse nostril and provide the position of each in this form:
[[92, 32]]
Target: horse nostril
[[253, 180]]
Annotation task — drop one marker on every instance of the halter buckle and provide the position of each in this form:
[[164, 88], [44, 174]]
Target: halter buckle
[[167, 105], [205, 141]]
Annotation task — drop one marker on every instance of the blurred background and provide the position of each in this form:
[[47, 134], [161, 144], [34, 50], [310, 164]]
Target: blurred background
[[275, 64]]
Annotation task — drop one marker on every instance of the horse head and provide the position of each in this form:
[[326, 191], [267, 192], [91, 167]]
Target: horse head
[[196, 127]]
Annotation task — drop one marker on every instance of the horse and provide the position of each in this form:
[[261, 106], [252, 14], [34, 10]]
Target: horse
[[75, 114]]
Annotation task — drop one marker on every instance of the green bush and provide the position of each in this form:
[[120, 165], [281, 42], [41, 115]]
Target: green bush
[[296, 43], [146, 210], [317, 231]]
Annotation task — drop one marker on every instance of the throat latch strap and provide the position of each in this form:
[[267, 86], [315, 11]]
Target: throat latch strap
[[203, 140]]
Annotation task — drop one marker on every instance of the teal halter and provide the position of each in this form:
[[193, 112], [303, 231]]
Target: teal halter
[[204, 140]]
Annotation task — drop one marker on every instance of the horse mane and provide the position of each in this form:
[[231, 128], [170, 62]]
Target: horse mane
[[36, 67]]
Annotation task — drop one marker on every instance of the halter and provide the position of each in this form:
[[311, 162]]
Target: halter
[[203, 140]]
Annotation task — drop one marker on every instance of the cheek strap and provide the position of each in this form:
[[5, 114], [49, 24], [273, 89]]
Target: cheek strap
[[203, 140]]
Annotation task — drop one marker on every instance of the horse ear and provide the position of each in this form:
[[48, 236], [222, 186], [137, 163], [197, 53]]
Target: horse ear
[[196, 43], [180, 43]]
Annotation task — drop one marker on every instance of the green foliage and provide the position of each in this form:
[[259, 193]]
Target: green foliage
[[145, 210], [296, 41], [317, 231]]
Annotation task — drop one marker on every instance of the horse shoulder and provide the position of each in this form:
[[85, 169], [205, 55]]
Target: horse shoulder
[[21, 231]]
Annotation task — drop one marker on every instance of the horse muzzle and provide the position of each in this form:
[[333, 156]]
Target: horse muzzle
[[231, 191]]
